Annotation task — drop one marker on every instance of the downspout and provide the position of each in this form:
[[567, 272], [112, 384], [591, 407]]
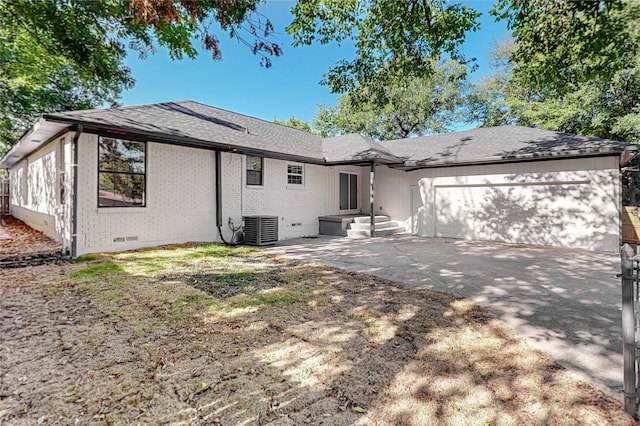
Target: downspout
[[74, 214], [219, 200], [372, 198]]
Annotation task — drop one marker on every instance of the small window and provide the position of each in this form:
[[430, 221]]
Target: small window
[[294, 175], [121, 173], [254, 170]]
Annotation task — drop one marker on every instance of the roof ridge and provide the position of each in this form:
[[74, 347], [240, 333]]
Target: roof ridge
[[98, 110], [248, 116], [377, 145]]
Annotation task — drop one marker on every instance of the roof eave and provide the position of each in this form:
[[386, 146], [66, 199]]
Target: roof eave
[[106, 130], [628, 154], [379, 158], [361, 162], [38, 135], [410, 165]]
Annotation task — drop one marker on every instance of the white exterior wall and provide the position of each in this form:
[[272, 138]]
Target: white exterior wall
[[333, 189], [180, 201], [573, 203], [37, 195], [297, 206]]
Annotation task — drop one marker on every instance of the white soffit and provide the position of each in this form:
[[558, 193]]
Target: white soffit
[[41, 132]]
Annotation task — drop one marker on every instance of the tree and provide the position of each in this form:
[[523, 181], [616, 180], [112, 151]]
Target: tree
[[495, 100], [296, 123], [391, 38], [561, 44], [58, 55], [33, 82], [595, 91], [409, 107]]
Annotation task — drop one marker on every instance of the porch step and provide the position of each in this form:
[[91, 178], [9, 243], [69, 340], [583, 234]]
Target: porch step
[[361, 227], [358, 225], [365, 226], [367, 219], [336, 224], [362, 233]]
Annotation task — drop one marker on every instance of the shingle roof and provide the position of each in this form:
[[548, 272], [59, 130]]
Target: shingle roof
[[495, 144], [354, 147], [193, 120], [194, 124]]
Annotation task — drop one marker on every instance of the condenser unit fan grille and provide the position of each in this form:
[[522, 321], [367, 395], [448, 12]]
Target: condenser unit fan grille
[[260, 230]]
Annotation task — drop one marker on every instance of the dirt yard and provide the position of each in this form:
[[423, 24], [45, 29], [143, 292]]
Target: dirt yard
[[20, 244], [197, 335]]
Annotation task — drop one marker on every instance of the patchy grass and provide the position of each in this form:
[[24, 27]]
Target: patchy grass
[[88, 258], [98, 271], [206, 334]]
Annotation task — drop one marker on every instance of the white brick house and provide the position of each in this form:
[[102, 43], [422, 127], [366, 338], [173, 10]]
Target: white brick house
[[111, 180]]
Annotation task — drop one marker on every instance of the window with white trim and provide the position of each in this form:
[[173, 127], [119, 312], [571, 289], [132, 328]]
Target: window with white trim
[[295, 174]]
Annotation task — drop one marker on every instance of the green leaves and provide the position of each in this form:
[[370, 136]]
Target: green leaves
[[573, 67], [390, 37], [401, 107], [296, 123], [68, 54], [561, 44]]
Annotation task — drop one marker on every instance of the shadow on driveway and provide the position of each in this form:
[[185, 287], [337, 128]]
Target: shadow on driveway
[[564, 302]]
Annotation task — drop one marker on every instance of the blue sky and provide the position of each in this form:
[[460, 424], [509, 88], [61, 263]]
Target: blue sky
[[289, 88]]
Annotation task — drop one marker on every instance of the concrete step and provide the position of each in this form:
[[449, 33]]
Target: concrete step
[[335, 224], [357, 233], [379, 225], [367, 219]]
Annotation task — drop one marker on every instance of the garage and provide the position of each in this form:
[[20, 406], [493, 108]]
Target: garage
[[524, 213], [511, 184], [542, 203]]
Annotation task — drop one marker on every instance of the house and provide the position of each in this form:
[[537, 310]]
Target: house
[[131, 177]]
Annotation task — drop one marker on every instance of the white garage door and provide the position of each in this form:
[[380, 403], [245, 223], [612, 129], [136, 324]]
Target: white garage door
[[546, 213]]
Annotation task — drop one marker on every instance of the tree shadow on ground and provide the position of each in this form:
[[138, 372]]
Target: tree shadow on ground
[[365, 344], [324, 347], [565, 302]]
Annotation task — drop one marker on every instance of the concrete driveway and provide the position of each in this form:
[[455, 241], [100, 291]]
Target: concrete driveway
[[564, 302]]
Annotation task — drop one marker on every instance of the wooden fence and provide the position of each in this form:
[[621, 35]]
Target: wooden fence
[[4, 196]]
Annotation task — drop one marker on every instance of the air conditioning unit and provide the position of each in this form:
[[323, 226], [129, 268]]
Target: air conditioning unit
[[260, 230]]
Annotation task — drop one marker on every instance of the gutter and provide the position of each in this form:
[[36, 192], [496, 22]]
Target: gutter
[[74, 214], [219, 193], [181, 140]]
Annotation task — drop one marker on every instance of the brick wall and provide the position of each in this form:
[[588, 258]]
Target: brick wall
[[297, 206], [180, 197], [180, 201]]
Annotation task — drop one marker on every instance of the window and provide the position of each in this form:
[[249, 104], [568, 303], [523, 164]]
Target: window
[[62, 175], [348, 191], [121, 173], [294, 175], [254, 170]]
